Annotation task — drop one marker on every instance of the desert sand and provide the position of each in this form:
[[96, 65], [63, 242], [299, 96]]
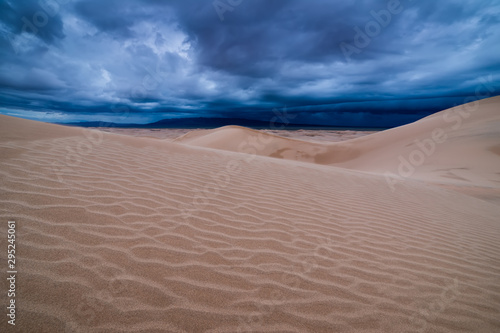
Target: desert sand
[[236, 230], [170, 134]]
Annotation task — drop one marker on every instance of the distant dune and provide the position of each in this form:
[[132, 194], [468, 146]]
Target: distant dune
[[455, 147], [235, 230]]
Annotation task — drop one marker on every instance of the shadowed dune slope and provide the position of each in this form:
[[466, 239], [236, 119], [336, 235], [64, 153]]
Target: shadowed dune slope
[[459, 146], [249, 141], [125, 234]]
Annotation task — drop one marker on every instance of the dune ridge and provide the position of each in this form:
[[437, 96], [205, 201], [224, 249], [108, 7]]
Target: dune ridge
[[458, 148], [124, 234]]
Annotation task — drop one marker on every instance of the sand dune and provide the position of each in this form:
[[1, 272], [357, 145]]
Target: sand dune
[[249, 141], [311, 135], [444, 140], [125, 234], [458, 147]]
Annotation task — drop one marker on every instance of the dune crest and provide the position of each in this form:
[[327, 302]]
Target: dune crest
[[126, 234], [458, 148]]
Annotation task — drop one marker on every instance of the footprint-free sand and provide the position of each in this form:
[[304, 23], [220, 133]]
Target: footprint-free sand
[[236, 230]]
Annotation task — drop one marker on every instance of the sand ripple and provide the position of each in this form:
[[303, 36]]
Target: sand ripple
[[138, 235]]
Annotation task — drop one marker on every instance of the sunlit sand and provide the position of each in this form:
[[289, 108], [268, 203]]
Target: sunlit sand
[[236, 230]]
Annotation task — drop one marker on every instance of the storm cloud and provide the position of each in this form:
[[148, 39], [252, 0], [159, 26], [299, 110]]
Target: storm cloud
[[345, 63]]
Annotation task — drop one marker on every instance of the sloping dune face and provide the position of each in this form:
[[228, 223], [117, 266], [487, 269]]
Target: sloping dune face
[[123, 234], [248, 141], [456, 146]]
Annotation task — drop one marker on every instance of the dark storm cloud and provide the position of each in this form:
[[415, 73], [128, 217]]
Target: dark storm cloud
[[40, 18], [327, 61]]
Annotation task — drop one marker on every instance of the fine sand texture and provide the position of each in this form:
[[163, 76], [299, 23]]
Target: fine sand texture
[[458, 148], [170, 134], [235, 230]]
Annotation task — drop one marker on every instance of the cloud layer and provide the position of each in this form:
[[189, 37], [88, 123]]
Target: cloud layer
[[365, 62]]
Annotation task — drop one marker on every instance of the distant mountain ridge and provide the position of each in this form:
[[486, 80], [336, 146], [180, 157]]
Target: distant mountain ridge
[[200, 123]]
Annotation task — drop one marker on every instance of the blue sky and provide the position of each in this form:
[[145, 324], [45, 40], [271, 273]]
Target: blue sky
[[345, 63]]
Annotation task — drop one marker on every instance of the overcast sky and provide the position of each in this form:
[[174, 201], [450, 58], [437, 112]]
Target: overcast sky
[[366, 62]]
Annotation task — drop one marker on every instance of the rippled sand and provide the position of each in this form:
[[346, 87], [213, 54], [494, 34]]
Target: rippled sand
[[170, 134], [233, 230]]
